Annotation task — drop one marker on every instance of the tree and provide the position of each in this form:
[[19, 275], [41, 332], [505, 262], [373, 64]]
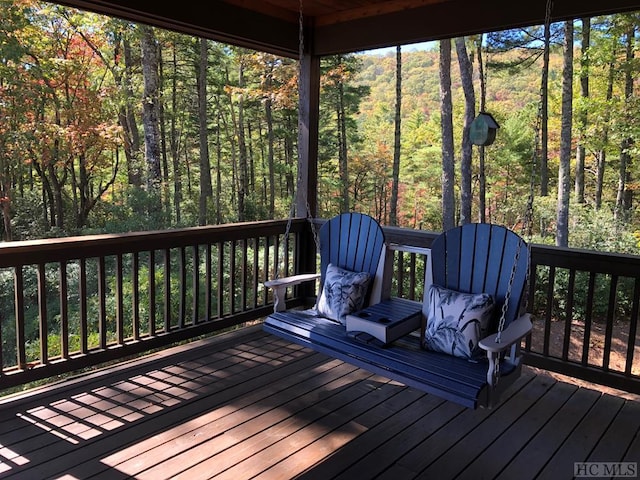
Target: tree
[[582, 112], [466, 75], [624, 197], [205, 166], [446, 113], [150, 117], [564, 178], [482, 178], [395, 178]]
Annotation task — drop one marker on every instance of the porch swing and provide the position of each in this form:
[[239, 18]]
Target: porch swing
[[477, 274]]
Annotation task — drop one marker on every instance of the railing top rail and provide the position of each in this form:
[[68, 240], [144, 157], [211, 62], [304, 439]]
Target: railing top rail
[[60, 249]]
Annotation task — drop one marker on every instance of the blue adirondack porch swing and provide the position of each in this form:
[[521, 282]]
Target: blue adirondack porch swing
[[471, 259], [474, 301]]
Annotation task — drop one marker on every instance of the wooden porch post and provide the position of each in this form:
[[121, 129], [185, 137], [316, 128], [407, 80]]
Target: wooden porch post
[[308, 112], [307, 185]]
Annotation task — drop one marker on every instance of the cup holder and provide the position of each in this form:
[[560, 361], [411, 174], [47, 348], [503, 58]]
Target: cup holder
[[364, 314], [384, 320]]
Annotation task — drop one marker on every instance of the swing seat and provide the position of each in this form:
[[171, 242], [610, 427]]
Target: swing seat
[[474, 258]]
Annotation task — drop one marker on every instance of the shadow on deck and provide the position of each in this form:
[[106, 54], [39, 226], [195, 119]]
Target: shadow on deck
[[250, 405]]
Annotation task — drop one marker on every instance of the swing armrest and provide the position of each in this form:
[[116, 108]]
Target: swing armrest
[[280, 285], [515, 332]]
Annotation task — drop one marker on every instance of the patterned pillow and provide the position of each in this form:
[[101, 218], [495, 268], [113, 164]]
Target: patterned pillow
[[343, 292], [457, 321]]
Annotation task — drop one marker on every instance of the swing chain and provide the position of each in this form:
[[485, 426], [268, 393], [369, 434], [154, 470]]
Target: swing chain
[[298, 183], [507, 295]]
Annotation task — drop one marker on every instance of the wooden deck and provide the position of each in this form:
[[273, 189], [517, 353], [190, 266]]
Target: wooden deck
[[249, 405]]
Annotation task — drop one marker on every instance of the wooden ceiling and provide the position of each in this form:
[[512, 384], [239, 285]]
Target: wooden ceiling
[[342, 26]]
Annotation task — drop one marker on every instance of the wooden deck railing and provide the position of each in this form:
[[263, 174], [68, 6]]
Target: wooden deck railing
[[72, 303]]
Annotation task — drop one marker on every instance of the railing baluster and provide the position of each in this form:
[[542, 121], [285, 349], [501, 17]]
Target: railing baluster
[[167, 290], [256, 270], [633, 327], [182, 287], [266, 268], [119, 301], [588, 321], [102, 295], [42, 314], [135, 295], [243, 276], [64, 311], [152, 293], [208, 284], [606, 357], [568, 315], [549, 310], [82, 292], [232, 277], [195, 284], [220, 285], [21, 341]]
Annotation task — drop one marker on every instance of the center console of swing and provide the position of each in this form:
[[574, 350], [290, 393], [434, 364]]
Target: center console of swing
[[385, 321]]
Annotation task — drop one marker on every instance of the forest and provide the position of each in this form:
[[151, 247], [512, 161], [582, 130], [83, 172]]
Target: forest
[[108, 126]]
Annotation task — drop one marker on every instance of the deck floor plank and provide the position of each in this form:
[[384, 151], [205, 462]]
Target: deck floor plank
[[472, 445], [584, 437], [250, 405], [619, 435], [501, 450]]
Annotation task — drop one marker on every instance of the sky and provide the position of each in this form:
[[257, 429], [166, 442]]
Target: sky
[[405, 48]]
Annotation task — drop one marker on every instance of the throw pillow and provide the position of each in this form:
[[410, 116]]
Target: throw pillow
[[457, 321], [343, 292]]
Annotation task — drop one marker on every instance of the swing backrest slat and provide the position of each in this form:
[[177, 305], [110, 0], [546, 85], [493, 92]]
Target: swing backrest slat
[[353, 241], [479, 258]]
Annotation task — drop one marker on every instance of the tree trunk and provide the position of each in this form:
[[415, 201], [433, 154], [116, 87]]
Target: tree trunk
[[243, 182], [150, 117], [564, 177], [624, 198], [466, 76], [271, 167], [393, 212], [582, 115], [342, 149], [128, 121], [446, 111], [602, 153], [544, 114], [482, 179], [205, 166], [174, 143]]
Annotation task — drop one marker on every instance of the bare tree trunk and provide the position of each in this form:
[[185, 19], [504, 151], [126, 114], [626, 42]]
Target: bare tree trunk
[[482, 179], [446, 110], [602, 153], [271, 168], [174, 143], [218, 175], [127, 118], [564, 177], [466, 75], [243, 182], [624, 198], [150, 117], [544, 125], [582, 115], [342, 150], [393, 212], [205, 166]]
